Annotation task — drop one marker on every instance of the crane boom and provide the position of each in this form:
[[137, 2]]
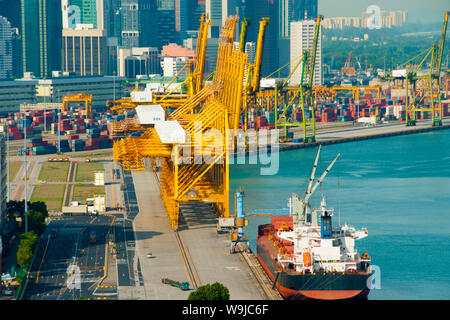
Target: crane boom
[[442, 44], [314, 50], [244, 26], [313, 170], [308, 195], [259, 49]]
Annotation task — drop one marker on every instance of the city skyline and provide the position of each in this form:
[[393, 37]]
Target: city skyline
[[415, 9]]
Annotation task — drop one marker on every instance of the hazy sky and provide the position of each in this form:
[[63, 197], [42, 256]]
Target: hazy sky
[[418, 10]]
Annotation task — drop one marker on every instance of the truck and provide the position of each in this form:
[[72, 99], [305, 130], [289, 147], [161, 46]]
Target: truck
[[182, 285], [92, 237]]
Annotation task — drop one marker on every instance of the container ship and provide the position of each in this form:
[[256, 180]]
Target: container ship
[[307, 257]]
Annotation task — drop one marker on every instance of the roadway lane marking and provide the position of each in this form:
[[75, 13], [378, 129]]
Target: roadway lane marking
[[43, 256]]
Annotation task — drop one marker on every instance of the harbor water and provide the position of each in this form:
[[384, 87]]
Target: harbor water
[[397, 187]]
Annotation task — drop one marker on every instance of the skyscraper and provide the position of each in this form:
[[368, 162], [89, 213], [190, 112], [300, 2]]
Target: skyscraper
[[302, 38], [166, 23], [11, 11], [182, 13], [98, 13], [218, 11], [138, 25], [196, 9], [85, 51], [6, 49], [304, 10], [41, 36], [294, 10], [255, 10]]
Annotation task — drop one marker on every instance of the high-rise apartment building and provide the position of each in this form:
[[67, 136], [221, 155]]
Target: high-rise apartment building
[[6, 49], [41, 36], [302, 38]]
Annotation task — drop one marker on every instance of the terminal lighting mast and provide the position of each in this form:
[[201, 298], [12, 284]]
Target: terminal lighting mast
[[59, 129], [7, 163], [23, 151]]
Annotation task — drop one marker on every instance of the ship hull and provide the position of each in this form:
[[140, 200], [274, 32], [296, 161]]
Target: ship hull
[[319, 286]]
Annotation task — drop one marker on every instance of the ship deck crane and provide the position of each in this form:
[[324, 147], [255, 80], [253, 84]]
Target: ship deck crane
[[300, 207]]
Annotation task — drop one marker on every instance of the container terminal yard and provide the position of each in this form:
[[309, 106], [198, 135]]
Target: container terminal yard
[[166, 225]]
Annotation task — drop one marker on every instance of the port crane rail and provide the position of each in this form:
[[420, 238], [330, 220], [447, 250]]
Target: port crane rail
[[208, 117]]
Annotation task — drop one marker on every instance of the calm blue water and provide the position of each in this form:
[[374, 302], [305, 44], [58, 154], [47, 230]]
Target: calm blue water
[[398, 187]]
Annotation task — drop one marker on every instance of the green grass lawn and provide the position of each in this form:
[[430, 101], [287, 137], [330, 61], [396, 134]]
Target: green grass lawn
[[51, 194], [14, 167], [54, 171], [83, 191], [86, 170]]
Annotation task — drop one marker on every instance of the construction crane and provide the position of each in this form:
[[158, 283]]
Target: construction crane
[[349, 67], [198, 168], [81, 97]]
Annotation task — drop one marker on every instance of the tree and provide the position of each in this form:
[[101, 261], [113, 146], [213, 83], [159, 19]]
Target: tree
[[36, 221], [39, 206], [37, 212], [215, 291], [25, 250]]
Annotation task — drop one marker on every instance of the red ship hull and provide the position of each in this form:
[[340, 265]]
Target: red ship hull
[[320, 286]]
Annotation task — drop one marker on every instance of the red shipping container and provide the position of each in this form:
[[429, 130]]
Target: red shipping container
[[73, 137]]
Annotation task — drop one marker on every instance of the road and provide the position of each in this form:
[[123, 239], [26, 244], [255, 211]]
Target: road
[[71, 246]]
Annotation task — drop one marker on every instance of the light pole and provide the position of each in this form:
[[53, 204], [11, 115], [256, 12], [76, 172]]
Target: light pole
[[23, 151], [7, 162], [45, 118], [59, 129]]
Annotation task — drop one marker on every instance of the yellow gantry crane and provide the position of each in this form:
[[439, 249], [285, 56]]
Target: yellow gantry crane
[[198, 169], [81, 97], [194, 81]]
